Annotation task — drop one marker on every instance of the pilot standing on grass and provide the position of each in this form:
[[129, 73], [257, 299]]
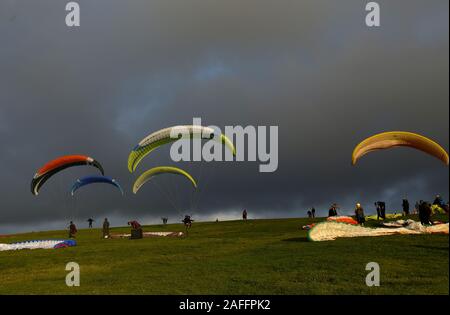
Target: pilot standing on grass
[[72, 230], [405, 206], [333, 210], [106, 228], [359, 212], [244, 214]]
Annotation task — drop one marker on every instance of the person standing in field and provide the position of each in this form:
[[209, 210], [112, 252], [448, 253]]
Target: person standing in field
[[416, 207], [313, 212], [378, 210], [333, 210], [72, 230], [309, 214], [425, 213], [90, 220], [382, 209], [244, 214], [106, 228], [405, 206], [359, 212]]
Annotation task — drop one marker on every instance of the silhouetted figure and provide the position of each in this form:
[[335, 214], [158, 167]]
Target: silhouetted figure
[[359, 213], [244, 214], [416, 207], [438, 201], [382, 209], [136, 229], [333, 210], [309, 214], [187, 223], [377, 206], [425, 213], [72, 230], [164, 220], [405, 206], [106, 228], [90, 220], [313, 212]]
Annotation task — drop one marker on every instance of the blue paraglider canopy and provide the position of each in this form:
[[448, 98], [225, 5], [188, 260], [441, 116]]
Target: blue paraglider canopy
[[92, 180]]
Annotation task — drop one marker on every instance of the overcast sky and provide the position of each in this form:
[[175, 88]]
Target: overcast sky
[[312, 68]]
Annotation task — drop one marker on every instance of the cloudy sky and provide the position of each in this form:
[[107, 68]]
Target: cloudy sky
[[312, 68]]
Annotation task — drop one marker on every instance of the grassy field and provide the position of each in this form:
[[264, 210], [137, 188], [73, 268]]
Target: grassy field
[[234, 257]]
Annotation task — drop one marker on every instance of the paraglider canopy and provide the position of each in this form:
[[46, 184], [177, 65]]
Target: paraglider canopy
[[59, 164], [146, 176], [163, 136], [92, 180], [387, 140]]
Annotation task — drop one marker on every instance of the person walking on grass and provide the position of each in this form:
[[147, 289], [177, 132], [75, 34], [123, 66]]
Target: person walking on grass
[[187, 223], [244, 215], [313, 212], [90, 220], [359, 213], [72, 230], [106, 228]]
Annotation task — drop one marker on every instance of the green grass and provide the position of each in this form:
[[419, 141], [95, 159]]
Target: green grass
[[234, 257]]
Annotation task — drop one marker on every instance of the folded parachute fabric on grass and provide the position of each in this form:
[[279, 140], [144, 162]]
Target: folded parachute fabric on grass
[[343, 219], [150, 234], [402, 223], [329, 230], [38, 244], [388, 216]]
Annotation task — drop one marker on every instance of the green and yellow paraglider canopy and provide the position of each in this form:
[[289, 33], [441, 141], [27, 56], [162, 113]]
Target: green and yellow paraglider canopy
[[148, 175], [164, 136]]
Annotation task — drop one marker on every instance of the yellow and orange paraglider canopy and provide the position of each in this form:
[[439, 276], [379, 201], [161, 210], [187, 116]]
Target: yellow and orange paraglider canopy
[[392, 139]]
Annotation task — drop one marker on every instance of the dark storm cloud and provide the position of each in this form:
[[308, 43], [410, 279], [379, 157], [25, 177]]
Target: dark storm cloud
[[312, 68]]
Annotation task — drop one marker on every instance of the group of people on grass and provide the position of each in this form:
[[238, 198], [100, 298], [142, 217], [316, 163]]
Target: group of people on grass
[[422, 208], [136, 228], [73, 229]]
